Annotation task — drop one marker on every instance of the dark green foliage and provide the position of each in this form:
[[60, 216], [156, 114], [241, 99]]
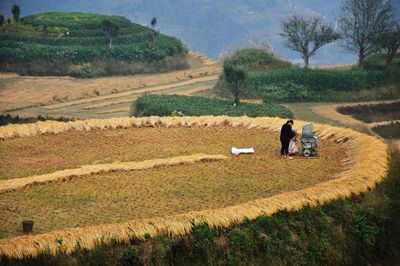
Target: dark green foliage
[[320, 80], [165, 105], [389, 131], [255, 59], [77, 38], [291, 85], [111, 30], [235, 76], [130, 256], [2, 19], [373, 112], [285, 92], [86, 71], [8, 119], [15, 10]]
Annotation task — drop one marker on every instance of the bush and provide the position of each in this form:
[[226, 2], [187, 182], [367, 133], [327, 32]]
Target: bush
[[255, 59], [87, 71], [165, 105]]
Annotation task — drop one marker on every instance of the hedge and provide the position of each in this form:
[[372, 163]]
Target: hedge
[[167, 105], [319, 80]]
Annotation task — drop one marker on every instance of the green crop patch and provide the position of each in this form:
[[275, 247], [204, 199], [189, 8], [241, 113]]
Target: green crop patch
[[166, 105]]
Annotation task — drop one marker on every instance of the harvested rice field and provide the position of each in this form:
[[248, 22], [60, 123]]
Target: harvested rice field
[[119, 196]]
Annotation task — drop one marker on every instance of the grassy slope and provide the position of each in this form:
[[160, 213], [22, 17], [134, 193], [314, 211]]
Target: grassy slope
[[46, 40]]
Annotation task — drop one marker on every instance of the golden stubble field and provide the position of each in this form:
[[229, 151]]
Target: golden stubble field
[[131, 177], [120, 196]]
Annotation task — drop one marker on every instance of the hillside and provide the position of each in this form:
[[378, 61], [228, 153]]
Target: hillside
[[59, 43], [210, 26]]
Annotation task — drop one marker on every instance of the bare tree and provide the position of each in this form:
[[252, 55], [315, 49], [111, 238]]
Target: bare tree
[[390, 41], [15, 10], [306, 36], [362, 25], [111, 30]]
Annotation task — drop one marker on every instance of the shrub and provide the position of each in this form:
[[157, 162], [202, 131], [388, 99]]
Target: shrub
[[165, 105], [255, 59], [87, 71]]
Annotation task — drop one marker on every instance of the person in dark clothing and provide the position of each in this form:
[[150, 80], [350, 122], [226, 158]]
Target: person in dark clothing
[[286, 135]]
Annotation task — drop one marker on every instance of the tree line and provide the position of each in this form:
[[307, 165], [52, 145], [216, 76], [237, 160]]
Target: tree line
[[364, 27]]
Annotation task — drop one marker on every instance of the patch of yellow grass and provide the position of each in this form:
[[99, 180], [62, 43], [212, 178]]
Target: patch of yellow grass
[[112, 111], [193, 90], [25, 91], [111, 102], [86, 170], [338, 66], [367, 166]]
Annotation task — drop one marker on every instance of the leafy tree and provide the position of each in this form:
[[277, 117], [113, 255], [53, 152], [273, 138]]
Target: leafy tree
[[236, 77], [153, 35], [2, 19], [390, 41], [8, 21], [111, 30], [153, 23], [306, 36], [15, 10], [362, 25]]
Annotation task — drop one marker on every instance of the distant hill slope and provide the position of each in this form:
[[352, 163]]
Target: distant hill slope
[[208, 26], [59, 43]]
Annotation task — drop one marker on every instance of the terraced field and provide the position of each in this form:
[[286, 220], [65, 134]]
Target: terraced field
[[101, 97], [113, 180]]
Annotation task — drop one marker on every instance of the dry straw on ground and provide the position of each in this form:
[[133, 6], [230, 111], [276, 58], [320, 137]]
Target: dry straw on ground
[[367, 167], [130, 93], [85, 170]]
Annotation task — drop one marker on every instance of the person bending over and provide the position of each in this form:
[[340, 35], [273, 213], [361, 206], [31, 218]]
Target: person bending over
[[286, 135]]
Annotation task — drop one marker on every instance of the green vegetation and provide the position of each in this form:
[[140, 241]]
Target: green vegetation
[[378, 61], [62, 42], [166, 105], [274, 80], [255, 59], [369, 113], [293, 85], [362, 230], [247, 60], [388, 131], [8, 119]]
